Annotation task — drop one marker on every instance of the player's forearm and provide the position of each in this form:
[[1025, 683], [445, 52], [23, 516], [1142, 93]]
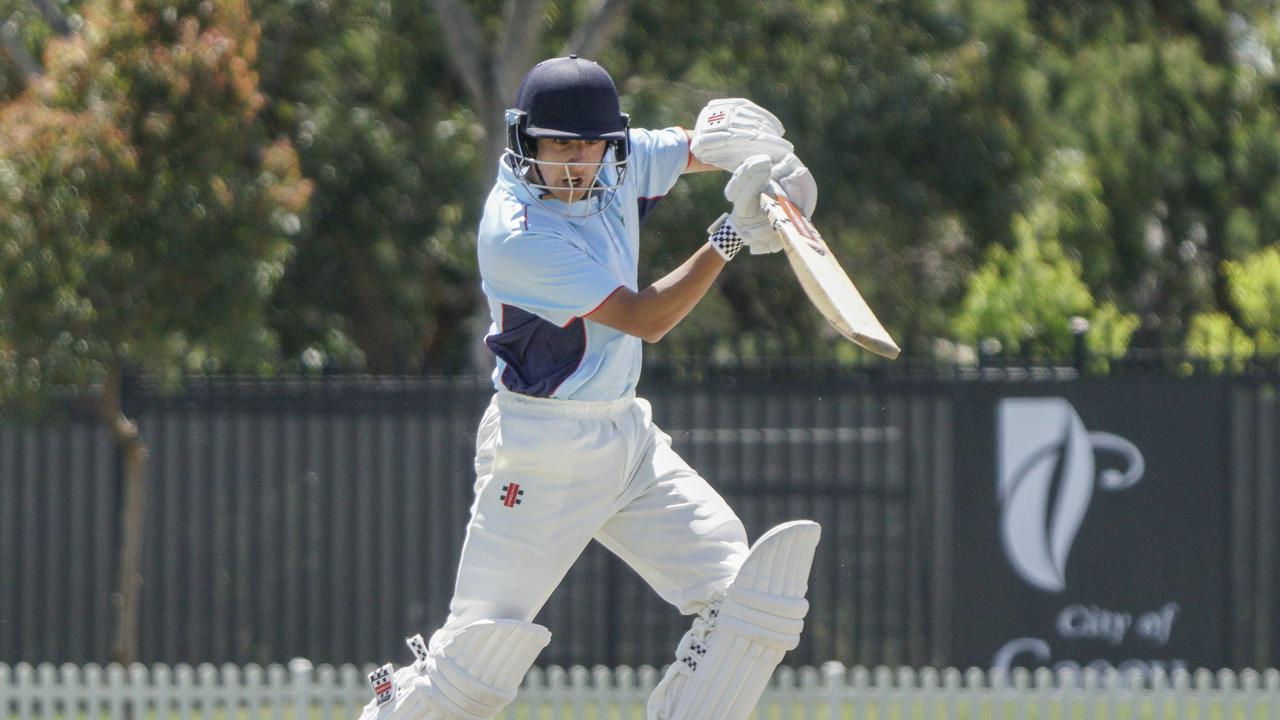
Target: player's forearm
[[668, 300], [652, 312]]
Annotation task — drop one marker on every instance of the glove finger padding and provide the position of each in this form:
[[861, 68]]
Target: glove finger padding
[[797, 182], [764, 244], [745, 185], [727, 151], [748, 219], [731, 129]]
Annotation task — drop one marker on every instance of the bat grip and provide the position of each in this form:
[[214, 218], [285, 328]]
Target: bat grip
[[773, 192]]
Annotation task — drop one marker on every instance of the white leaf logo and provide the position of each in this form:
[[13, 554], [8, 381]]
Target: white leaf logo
[[1046, 480]]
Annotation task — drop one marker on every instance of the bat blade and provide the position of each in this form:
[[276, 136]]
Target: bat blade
[[824, 280]]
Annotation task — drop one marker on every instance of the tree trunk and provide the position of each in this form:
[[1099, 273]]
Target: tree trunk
[[11, 43], [53, 16], [133, 454], [13, 48]]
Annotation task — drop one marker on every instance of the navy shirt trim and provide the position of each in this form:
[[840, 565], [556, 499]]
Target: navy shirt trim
[[645, 205], [539, 354]]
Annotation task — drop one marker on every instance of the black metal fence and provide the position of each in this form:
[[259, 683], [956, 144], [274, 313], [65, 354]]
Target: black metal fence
[[323, 518]]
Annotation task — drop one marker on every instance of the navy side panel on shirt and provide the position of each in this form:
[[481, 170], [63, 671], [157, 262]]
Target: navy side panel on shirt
[[539, 355], [646, 205]]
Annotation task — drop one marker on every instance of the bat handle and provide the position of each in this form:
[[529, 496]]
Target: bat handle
[[771, 196]]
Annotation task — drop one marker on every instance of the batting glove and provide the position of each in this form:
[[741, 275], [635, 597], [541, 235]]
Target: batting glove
[[730, 130], [747, 225], [796, 181]]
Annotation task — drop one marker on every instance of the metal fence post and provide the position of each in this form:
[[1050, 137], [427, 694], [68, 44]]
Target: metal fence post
[[1079, 348]]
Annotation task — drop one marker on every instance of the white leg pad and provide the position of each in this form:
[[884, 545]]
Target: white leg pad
[[726, 660], [472, 676]]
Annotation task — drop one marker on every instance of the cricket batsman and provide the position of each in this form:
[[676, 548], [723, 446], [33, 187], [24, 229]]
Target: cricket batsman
[[566, 452]]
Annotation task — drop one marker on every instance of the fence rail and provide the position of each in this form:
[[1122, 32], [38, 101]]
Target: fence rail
[[323, 517], [833, 692]]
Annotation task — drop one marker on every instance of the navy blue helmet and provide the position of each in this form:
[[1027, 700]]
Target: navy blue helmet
[[568, 98]]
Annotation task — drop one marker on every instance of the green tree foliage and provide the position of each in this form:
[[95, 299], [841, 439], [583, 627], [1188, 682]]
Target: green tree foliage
[[145, 217], [917, 147], [1172, 104], [1025, 299], [1215, 338], [1253, 285], [25, 27], [384, 276], [1144, 132], [146, 214]]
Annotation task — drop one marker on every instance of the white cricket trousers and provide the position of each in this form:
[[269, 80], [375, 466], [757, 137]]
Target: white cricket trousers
[[553, 474]]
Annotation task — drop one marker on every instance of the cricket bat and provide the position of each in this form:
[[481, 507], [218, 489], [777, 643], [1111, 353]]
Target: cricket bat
[[824, 281]]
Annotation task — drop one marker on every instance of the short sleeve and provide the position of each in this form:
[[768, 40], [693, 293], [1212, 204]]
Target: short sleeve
[[658, 159], [546, 275]]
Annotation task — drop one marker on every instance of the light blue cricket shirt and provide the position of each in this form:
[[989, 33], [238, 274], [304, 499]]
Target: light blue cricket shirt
[[543, 273]]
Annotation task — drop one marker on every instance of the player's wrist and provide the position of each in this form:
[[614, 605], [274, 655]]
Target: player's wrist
[[722, 236]]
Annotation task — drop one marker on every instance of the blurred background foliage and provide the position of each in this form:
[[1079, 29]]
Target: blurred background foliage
[[988, 170], [147, 211]]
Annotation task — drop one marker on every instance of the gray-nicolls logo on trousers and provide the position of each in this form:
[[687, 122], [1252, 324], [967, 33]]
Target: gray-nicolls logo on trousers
[[1047, 475]]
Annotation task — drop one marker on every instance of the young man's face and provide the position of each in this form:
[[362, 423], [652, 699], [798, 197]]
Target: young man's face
[[570, 182]]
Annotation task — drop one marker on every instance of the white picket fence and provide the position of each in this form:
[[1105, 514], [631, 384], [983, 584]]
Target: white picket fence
[[832, 692]]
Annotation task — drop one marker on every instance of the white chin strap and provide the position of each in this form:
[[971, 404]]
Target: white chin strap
[[539, 175]]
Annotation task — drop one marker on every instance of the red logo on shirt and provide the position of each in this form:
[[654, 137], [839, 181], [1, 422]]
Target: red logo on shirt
[[511, 494]]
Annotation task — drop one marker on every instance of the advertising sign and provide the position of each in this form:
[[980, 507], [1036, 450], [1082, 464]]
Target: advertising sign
[[1090, 531]]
